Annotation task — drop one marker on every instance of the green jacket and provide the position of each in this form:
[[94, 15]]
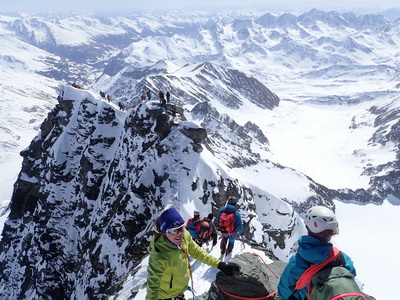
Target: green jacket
[[168, 270]]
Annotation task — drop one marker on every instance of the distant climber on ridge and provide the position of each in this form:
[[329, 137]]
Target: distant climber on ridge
[[143, 96], [162, 98], [148, 93]]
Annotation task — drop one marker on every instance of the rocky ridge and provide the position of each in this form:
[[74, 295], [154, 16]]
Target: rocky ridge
[[92, 181]]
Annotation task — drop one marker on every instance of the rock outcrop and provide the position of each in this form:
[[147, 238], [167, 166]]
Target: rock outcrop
[[95, 178], [255, 280]]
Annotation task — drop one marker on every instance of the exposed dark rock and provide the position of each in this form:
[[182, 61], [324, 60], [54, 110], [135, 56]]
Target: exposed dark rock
[[81, 186], [196, 134], [255, 280]]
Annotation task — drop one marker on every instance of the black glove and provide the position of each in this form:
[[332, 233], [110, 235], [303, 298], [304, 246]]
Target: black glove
[[228, 268]]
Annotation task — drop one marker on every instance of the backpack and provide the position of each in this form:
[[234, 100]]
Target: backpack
[[335, 283], [330, 283], [226, 222], [204, 231]]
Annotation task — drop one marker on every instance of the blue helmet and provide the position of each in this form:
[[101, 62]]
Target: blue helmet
[[233, 201]]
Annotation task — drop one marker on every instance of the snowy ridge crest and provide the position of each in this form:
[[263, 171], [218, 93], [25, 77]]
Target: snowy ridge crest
[[93, 180]]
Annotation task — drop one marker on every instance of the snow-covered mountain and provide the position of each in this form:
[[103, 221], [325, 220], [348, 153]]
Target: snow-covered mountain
[[283, 111]]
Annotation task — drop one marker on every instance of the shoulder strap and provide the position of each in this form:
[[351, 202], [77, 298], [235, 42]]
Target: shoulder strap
[[340, 262], [197, 222], [189, 266], [338, 297], [308, 274]]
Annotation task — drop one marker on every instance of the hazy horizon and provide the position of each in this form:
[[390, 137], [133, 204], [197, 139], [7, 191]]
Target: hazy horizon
[[124, 6]]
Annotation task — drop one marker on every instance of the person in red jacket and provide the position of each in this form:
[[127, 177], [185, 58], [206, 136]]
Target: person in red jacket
[[206, 232], [192, 225]]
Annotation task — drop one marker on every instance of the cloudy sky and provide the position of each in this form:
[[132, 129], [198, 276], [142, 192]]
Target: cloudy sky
[[132, 5]]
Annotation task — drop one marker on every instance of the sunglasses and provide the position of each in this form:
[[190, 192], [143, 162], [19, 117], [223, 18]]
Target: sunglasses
[[176, 230]]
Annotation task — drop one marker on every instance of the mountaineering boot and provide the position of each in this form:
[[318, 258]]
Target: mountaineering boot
[[223, 246]]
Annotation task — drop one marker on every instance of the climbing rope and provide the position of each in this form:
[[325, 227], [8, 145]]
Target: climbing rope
[[269, 296], [193, 293], [266, 265], [189, 266]]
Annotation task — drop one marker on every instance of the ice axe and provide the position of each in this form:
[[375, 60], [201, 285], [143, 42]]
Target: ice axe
[[242, 239]]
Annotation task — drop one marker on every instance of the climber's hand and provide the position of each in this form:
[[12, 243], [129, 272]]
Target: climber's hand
[[228, 268]]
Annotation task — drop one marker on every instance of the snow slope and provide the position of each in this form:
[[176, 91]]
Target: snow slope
[[316, 140], [26, 98], [366, 232]]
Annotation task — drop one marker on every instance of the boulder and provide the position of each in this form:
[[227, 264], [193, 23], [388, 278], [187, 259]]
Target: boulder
[[255, 280]]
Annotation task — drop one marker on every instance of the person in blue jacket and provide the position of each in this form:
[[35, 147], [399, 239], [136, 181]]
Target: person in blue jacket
[[228, 238], [193, 225], [314, 248]]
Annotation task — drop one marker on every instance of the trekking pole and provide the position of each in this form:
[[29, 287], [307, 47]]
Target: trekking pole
[[212, 245], [242, 238]]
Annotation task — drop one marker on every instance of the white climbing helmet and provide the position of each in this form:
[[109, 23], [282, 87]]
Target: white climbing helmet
[[320, 218]]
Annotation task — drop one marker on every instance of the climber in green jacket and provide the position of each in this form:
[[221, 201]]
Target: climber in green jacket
[[170, 250]]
